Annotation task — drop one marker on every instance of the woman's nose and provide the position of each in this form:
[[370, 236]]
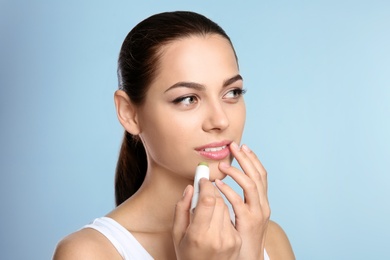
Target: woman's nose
[[216, 118]]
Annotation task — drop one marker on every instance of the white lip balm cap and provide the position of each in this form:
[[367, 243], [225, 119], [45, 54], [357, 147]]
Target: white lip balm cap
[[202, 171]]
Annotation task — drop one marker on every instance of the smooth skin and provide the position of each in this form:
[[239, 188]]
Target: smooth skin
[[173, 122]]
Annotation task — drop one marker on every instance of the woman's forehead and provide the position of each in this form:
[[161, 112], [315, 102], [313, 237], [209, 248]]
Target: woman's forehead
[[197, 58]]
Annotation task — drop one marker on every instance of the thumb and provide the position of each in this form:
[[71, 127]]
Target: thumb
[[182, 215]]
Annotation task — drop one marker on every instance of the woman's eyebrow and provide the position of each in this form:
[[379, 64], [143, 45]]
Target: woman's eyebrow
[[184, 84], [232, 80], [200, 87]]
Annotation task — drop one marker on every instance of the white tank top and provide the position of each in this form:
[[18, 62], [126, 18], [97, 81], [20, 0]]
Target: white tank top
[[124, 242]]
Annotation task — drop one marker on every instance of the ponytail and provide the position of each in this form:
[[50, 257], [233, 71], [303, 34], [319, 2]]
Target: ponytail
[[130, 169]]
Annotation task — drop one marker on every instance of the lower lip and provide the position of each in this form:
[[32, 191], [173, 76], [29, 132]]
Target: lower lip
[[218, 155]]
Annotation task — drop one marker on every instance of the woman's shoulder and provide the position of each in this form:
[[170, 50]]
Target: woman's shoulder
[[86, 243], [277, 244]]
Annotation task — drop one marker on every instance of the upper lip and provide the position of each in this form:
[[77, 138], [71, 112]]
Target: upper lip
[[213, 145]]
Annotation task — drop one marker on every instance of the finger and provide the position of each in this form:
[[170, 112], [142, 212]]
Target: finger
[[250, 188], [204, 210], [228, 221], [235, 200], [181, 217], [257, 163], [262, 173], [222, 222], [248, 166], [244, 161], [219, 215]]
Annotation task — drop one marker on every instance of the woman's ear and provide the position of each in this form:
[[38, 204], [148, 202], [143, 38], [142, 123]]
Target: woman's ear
[[126, 111]]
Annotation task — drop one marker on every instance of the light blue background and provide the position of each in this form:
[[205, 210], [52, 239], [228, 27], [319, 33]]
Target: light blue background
[[318, 80]]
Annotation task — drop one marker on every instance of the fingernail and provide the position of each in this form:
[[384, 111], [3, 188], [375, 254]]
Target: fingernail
[[219, 182], [185, 191], [202, 180], [224, 165], [234, 146], [246, 148]]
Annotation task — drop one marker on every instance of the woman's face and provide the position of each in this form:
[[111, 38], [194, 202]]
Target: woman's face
[[194, 108]]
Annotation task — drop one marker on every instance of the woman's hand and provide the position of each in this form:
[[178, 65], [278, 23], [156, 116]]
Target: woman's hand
[[252, 213], [208, 233]]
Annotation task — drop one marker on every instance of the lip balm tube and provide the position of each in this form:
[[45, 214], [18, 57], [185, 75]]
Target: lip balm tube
[[202, 171]]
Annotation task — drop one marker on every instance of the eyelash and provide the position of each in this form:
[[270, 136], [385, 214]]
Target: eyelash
[[238, 92], [181, 99]]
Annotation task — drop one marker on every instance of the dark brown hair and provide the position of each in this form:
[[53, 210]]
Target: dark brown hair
[[137, 65]]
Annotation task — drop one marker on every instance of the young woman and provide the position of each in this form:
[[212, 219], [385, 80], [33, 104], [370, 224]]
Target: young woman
[[180, 102]]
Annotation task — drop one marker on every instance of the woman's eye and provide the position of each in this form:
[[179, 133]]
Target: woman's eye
[[235, 93], [186, 101]]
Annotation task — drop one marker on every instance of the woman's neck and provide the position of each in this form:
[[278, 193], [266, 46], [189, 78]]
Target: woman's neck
[[151, 208]]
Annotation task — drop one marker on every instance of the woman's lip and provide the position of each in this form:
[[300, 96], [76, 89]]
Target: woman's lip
[[213, 145], [215, 151], [220, 154]]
